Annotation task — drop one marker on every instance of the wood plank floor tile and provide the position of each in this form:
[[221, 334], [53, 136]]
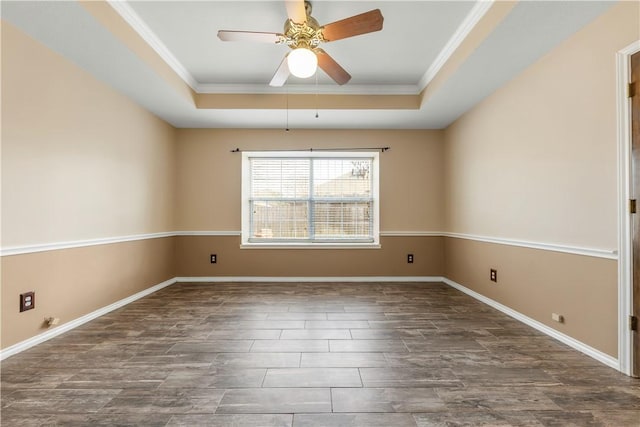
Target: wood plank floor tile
[[498, 399], [361, 346], [409, 377], [336, 324], [165, 400], [232, 420], [316, 308], [57, 401], [312, 377], [504, 376], [385, 334], [589, 398], [275, 401], [222, 378], [17, 419], [316, 334], [131, 377], [440, 343], [258, 324], [401, 324], [23, 380], [297, 316], [386, 400], [284, 346], [215, 346], [478, 418], [356, 316], [353, 420], [257, 360], [244, 334], [617, 417], [343, 360], [171, 361]]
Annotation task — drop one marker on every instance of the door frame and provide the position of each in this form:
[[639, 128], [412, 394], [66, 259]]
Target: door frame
[[625, 260]]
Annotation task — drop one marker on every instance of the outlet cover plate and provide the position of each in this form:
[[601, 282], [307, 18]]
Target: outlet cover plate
[[27, 301], [493, 275]]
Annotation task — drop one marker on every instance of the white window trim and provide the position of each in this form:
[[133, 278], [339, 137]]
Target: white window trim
[[246, 244]]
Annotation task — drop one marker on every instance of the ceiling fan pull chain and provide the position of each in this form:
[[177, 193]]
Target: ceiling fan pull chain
[[317, 94], [287, 108]]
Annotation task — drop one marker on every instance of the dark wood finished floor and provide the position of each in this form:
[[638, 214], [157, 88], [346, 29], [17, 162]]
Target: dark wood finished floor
[[311, 354]]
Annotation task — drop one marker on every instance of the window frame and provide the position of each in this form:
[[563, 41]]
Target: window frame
[[246, 243]]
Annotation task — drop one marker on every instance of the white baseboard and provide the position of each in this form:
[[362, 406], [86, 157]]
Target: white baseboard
[[563, 338], [51, 333], [271, 279], [571, 342]]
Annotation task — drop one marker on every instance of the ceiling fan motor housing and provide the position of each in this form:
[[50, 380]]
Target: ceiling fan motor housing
[[305, 35]]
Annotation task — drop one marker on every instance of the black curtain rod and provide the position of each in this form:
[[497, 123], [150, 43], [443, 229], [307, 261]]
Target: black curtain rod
[[381, 149]]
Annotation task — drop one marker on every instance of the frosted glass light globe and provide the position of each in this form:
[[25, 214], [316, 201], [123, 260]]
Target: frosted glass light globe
[[302, 62]]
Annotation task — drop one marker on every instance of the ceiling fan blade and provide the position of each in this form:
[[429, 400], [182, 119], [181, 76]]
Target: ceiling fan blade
[[332, 68], [296, 11], [282, 73], [249, 36], [364, 23]]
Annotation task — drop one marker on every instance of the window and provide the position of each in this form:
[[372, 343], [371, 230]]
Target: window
[[310, 199]]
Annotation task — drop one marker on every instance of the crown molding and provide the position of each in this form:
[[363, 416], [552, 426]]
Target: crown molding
[[470, 21], [139, 26]]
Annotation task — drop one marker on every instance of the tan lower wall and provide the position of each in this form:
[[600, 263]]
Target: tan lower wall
[[70, 283], [537, 283], [192, 258]]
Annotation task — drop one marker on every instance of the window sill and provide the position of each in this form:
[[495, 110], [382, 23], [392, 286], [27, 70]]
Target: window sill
[[310, 246]]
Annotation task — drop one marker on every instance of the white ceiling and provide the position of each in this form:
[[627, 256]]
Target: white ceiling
[[416, 40]]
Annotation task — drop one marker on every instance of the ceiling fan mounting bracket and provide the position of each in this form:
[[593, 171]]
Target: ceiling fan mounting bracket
[[306, 35]]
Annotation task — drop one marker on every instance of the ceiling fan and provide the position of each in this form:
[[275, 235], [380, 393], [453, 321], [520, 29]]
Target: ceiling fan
[[303, 35]]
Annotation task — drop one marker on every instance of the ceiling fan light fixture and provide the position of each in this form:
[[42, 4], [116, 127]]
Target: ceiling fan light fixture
[[302, 62]]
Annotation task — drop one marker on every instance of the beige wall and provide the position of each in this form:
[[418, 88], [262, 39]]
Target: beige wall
[[79, 161], [209, 175], [536, 161]]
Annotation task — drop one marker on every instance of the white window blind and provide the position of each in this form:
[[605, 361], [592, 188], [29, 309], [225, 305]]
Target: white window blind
[[310, 198]]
